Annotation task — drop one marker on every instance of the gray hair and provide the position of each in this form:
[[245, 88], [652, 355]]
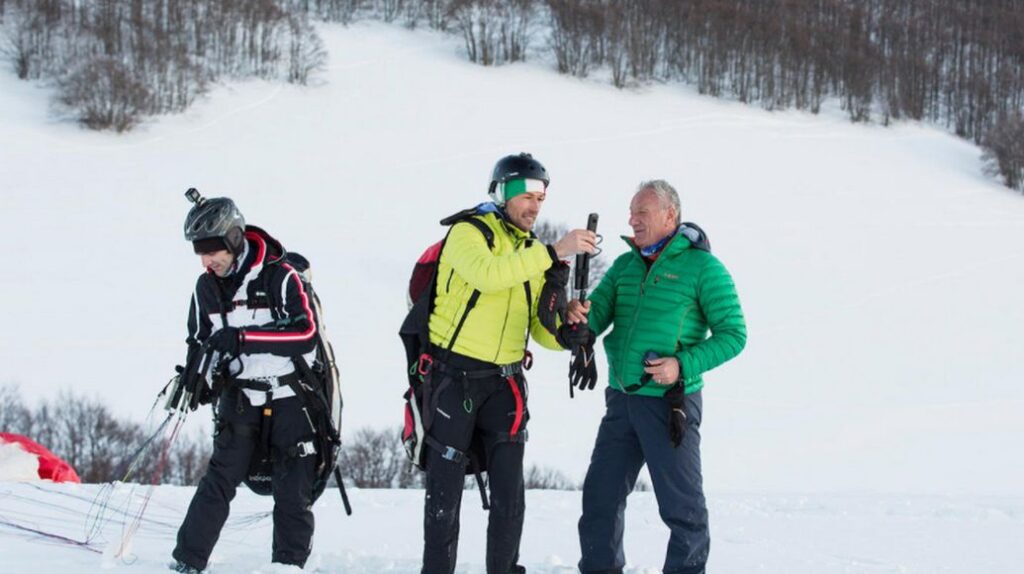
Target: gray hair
[[665, 193]]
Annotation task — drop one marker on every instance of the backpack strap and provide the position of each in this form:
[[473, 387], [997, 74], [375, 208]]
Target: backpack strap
[[313, 398], [483, 228], [415, 330], [473, 298], [341, 488], [488, 234], [527, 355], [269, 270]]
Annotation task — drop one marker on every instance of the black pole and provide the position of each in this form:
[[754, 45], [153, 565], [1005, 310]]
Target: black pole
[[581, 282]]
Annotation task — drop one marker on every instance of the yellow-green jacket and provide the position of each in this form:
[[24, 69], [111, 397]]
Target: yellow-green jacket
[[495, 329]]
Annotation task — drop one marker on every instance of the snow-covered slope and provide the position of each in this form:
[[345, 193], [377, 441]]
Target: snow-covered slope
[[776, 534], [879, 269]]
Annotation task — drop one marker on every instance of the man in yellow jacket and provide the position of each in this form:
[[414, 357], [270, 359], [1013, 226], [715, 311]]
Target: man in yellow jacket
[[488, 285]]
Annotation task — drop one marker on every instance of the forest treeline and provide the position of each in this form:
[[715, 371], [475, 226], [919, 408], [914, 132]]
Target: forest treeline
[[102, 447], [115, 61], [958, 64]]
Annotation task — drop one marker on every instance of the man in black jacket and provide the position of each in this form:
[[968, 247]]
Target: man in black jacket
[[250, 315]]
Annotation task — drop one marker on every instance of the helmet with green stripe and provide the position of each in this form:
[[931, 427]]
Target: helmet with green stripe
[[517, 174]]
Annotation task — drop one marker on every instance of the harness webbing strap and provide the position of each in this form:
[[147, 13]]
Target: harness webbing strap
[[479, 482], [473, 298], [454, 455], [519, 406], [266, 423]]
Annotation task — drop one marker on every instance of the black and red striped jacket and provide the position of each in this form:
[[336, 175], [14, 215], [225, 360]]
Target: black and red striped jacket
[[268, 300]]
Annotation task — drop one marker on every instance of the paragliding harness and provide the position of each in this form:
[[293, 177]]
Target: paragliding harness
[[318, 386], [426, 361]]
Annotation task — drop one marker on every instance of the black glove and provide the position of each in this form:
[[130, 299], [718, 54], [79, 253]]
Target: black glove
[[173, 388], [204, 392], [677, 415], [227, 340], [574, 336], [174, 402], [553, 299], [583, 368]]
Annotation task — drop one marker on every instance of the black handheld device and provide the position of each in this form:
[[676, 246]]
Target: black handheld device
[[583, 263], [649, 357]]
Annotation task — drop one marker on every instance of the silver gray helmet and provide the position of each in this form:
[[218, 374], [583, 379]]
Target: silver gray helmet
[[212, 219]]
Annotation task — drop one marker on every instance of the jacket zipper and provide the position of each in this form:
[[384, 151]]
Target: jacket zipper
[[632, 325], [508, 309], [501, 339], [223, 302]]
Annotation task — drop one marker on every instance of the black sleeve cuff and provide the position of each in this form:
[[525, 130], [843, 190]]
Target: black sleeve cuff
[[554, 256]]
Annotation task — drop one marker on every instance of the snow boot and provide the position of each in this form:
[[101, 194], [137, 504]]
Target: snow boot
[[179, 566]]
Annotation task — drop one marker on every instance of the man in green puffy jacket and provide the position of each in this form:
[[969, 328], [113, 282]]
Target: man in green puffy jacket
[[660, 299]]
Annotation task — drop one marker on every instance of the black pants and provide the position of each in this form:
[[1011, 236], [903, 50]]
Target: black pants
[[487, 411], [236, 441]]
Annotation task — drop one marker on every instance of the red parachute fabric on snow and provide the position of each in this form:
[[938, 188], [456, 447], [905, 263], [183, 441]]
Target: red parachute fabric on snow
[[51, 466]]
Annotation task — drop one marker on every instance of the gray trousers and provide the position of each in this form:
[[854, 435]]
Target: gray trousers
[[635, 431]]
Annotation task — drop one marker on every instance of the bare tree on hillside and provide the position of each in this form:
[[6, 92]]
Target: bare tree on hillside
[[494, 31], [306, 54], [100, 446], [374, 459], [14, 416], [576, 30], [16, 45], [103, 93], [1004, 150], [545, 478]]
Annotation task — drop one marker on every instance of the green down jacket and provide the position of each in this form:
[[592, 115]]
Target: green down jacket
[[667, 308]]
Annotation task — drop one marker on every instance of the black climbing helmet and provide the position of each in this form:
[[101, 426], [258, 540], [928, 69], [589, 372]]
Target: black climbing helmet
[[521, 166], [214, 224]]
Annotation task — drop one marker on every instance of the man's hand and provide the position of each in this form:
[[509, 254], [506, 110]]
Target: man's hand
[[663, 370], [576, 241], [577, 312], [572, 336], [583, 369], [227, 340], [551, 305]]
